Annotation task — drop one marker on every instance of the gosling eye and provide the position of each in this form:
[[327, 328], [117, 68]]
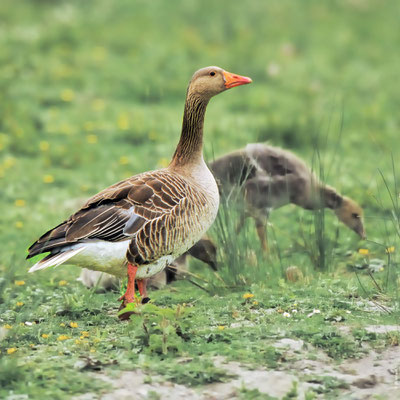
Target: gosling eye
[[355, 215], [212, 73]]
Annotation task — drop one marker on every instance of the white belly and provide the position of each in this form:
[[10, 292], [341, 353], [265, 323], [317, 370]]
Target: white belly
[[110, 257]]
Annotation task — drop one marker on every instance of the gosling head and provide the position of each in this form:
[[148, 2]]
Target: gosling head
[[208, 82], [351, 214]]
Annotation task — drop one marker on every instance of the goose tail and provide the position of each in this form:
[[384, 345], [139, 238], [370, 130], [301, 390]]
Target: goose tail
[[56, 259]]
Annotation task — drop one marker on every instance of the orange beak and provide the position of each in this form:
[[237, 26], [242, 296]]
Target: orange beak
[[232, 80]]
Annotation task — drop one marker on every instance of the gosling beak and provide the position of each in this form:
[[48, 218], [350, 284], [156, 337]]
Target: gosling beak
[[361, 233], [232, 80]]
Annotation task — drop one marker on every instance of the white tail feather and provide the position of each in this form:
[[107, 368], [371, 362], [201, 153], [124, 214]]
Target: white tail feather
[[56, 260]]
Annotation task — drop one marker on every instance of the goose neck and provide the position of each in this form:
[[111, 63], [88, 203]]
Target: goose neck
[[190, 146]]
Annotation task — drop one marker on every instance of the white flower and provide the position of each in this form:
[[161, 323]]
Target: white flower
[[286, 315]]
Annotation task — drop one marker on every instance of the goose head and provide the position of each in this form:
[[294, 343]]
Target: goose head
[[208, 82], [351, 214]]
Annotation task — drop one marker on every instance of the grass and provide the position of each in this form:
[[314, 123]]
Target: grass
[[92, 92]]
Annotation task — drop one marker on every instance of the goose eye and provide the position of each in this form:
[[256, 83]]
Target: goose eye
[[212, 73], [354, 215]]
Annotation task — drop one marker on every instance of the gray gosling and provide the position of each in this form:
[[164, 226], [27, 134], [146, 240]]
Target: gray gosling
[[269, 177]]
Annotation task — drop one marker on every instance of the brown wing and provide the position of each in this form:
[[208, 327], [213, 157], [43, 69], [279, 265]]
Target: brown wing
[[117, 212]]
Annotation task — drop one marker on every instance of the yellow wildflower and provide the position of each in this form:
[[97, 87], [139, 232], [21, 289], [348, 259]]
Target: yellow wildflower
[[63, 337], [390, 249], [7, 326], [11, 350], [221, 327], [20, 303], [163, 162], [73, 324], [255, 303], [48, 178], [248, 295], [19, 283], [363, 251], [19, 203], [19, 224], [67, 95], [9, 162], [123, 121], [62, 283], [85, 334], [77, 341], [98, 105], [91, 139], [45, 336], [92, 350], [62, 324], [123, 160], [44, 146]]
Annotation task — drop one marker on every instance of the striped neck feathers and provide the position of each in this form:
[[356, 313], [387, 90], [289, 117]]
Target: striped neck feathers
[[190, 146]]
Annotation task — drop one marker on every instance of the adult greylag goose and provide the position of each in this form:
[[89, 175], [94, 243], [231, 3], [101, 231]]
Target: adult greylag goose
[[140, 225], [269, 177]]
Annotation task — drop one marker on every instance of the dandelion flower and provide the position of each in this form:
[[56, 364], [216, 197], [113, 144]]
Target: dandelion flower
[[45, 336], [98, 105], [91, 139], [221, 327], [11, 350], [255, 302], [20, 303], [248, 295], [19, 283], [9, 162], [363, 251], [67, 95], [7, 326], [73, 324], [163, 162], [77, 341], [62, 283], [123, 160], [63, 337], [123, 122], [19, 203], [390, 249], [48, 178], [85, 334], [44, 146], [62, 324]]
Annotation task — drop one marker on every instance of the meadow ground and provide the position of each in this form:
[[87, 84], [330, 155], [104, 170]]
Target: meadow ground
[[93, 92]]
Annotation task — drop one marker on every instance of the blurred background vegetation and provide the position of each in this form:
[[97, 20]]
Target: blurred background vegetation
[[92, 92]]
